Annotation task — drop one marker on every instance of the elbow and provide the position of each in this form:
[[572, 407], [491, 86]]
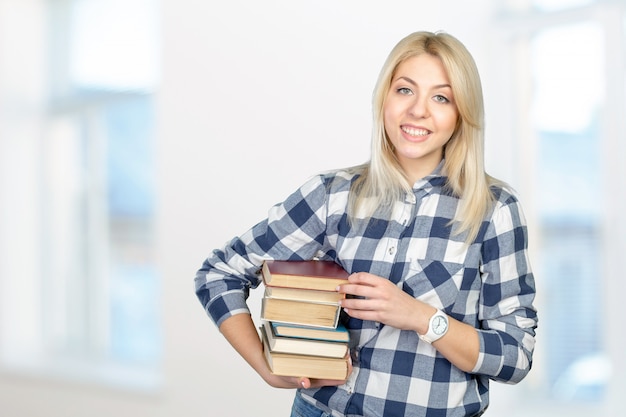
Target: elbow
[[517, 362], [513, 374], [503, 358]]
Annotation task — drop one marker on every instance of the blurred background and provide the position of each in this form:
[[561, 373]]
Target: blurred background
[[138, 135]]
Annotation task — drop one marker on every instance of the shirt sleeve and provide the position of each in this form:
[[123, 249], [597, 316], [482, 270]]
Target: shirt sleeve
[[506, 313], [293, 230]]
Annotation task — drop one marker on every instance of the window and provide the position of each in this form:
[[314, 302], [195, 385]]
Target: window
[[93, 310], [570, 82], [569, 203]]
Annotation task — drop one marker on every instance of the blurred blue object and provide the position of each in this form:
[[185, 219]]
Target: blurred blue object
[[585, 380]]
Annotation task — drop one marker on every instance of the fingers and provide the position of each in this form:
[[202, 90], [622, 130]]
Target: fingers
[[307, 383], [361, 284], [364, 294], [364, 278], [364, 286], [304, 383]]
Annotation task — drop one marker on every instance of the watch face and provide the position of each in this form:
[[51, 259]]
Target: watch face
[[440, 324]]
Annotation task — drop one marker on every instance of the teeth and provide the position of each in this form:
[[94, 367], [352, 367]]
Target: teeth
[[415, 132]]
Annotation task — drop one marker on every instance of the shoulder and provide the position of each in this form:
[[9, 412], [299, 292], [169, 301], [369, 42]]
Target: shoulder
[[507, 213], [339, 180], [325, 186], [504, 194]]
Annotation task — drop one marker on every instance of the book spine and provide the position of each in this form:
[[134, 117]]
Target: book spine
[[339, 334]]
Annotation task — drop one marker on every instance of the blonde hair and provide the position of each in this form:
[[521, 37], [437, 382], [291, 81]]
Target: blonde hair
[[383, 181]]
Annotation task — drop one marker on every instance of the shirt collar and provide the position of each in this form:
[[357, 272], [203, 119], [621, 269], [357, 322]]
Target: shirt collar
[[434, 179]]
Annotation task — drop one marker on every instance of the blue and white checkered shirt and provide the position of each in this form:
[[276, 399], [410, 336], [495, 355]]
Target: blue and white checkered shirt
[[488, 284]]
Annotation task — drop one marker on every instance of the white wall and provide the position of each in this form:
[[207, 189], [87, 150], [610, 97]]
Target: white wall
[[256, 98]]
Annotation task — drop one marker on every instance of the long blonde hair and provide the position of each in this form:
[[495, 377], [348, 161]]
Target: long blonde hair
[[383, 181]]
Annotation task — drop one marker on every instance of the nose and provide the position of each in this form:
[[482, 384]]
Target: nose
[[419, 108]]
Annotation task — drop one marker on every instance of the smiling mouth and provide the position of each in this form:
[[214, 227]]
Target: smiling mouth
[[415, 132]]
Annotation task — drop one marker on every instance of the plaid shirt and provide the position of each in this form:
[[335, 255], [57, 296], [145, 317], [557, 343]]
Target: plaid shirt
[[488, 285]]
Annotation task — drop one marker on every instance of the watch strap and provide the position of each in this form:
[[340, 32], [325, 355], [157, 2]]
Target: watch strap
[[435, 333]]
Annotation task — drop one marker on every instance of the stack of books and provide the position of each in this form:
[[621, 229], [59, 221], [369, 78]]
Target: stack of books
[[300, 327]]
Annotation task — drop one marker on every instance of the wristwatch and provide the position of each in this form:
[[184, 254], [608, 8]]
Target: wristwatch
[[437, 327]]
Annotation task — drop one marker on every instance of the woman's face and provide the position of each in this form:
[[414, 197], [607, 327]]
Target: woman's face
[[420, 114]]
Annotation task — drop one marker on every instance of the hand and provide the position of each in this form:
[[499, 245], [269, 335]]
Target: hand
[[382, 301]]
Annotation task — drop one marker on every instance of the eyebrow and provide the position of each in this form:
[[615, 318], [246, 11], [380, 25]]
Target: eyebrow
[[410, 81]]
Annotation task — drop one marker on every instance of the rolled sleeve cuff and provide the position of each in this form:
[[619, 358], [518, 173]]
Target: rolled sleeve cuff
[[501, 358], [226, 305], [490, 357]]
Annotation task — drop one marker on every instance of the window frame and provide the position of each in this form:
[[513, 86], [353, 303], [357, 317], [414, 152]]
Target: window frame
[[64, 329]]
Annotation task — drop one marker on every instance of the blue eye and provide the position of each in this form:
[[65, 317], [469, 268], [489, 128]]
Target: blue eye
[[441, 99], [404, 90]]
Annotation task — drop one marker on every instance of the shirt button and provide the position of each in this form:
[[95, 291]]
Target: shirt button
[[392, 250]]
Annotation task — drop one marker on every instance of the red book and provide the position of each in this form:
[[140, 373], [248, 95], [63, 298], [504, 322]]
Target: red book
[[312, 275]]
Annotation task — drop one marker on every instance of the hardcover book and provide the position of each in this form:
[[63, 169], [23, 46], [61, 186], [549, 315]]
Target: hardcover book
[[312, 275], [300, 312], [311, 296], [301, 346], [288, 364], [339, 334]]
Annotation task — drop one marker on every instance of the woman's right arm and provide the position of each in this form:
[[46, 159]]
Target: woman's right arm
[[241, 333], [291, 231]]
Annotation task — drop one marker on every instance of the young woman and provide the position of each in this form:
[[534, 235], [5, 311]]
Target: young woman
[[436, 248]]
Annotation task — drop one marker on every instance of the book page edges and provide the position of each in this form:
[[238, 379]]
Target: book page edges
[[327, 324]]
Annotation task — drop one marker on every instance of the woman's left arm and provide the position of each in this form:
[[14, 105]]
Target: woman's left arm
[[503, 345], [506, 313]]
